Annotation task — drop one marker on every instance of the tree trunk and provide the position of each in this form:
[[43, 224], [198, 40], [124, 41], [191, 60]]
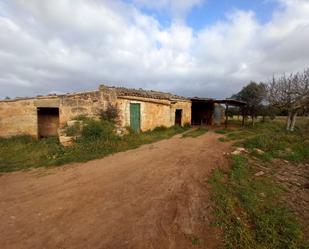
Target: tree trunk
[[293, 121], [252, 117], [243, 120], [288, 121]]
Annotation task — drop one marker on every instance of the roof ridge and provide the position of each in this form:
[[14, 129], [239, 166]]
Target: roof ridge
[[125, 91]]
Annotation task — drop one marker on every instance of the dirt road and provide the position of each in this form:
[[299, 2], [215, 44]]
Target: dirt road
[[151, 197]]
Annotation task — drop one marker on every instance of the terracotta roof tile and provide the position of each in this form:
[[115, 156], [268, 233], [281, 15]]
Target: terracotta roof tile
[[122, 91]]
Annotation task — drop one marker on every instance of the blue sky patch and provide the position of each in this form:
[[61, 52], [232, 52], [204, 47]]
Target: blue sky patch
[[214, 11]]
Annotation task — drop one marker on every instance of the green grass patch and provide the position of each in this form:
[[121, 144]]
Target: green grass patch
[[250, 212], [240, 134], [223, 131], [195, 133], [221, 139], [274, 140], [98, 140], [195, 241]]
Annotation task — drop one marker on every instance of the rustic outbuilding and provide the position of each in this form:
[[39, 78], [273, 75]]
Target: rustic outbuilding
[[42, 116], [142, 110]]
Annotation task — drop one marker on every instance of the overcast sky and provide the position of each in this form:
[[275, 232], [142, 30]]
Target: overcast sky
[[205, 48]]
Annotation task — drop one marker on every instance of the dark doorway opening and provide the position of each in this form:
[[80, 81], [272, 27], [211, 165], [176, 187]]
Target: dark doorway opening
[[48, 121], [178, 117], [202, 113]]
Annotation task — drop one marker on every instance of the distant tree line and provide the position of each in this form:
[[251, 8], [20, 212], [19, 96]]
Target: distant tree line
[[284, 95]]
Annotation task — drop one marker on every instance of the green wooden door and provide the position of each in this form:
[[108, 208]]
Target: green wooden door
[[135, 116]]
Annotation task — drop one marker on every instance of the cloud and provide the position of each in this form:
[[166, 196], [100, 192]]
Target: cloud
[[66, 45]]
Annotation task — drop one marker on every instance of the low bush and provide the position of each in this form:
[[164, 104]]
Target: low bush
[[82, 117], [73, 130], [98, 130]]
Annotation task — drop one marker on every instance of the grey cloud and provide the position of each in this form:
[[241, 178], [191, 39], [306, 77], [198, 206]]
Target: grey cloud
[[64, 46]]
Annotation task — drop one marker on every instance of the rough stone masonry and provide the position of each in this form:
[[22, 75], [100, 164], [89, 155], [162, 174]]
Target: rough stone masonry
[[44, 115]]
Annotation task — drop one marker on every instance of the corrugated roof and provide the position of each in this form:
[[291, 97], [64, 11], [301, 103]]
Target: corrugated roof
[[202, 99], [231, 102], [219, 101]]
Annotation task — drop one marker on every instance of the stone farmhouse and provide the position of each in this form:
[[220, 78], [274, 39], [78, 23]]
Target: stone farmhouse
[[142, 110]]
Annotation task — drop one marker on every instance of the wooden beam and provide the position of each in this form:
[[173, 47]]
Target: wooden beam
[[226, 114]]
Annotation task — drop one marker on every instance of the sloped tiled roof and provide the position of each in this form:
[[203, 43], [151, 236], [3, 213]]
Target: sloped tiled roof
[[122, 91]]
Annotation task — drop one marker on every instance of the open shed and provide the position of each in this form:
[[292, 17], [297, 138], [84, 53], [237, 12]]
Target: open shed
[[206, 111]]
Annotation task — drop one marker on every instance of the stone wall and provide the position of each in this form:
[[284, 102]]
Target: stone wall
[[18, 118], [154, 112], [88, 103], [185, 106]]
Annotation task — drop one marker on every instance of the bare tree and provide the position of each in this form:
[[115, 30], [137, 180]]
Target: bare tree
[[291, 94]]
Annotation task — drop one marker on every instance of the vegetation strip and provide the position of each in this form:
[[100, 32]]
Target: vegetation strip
[[249, 204], [97, 140], [195, 133]]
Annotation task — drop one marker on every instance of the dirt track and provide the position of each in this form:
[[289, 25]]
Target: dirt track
[[151, 197]]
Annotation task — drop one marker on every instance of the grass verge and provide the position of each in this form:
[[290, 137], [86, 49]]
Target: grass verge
[[250, 212], [98, 140], [222, 131], [273, 139], [195, 133]]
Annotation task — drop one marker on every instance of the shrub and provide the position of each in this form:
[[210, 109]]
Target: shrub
[[98, 129], [82, 117], [73, 130], [131, 131], [111, 113]]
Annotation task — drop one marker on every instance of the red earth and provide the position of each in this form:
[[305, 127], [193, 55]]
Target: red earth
[[156, 196]]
